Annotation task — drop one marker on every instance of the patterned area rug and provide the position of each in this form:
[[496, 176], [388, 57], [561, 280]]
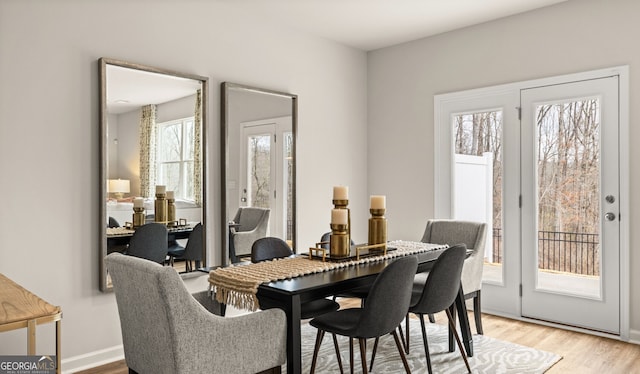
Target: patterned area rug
[[491, 356]]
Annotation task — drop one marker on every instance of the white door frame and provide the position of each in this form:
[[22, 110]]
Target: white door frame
[[443, 166]]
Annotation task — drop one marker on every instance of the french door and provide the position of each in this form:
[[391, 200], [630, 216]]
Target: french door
[[570, 210], [541, 162], [266, 168]]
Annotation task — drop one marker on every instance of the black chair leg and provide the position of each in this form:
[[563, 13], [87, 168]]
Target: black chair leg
[[373, 355], [351, 355], [406, 347], [404, 358], [452, 310], [335, 345], [404, 342], [426, 342], [316, 349], [477, 314], [455, 334], [363, 355], [432, 319]]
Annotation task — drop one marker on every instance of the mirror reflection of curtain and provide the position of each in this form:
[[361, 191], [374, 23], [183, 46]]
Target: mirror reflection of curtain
[[197, 156], [148, 150]]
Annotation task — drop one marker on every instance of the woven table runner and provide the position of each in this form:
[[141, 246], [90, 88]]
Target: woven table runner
[[238, 285]]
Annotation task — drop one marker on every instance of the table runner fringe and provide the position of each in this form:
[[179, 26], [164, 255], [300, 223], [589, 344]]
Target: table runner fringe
[[238, 285]]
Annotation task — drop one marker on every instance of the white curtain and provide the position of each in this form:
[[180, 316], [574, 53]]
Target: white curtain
[[197, 146], [148, 151]]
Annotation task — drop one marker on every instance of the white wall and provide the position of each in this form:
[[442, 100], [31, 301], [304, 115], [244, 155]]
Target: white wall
[[575, 36], [49, 134]]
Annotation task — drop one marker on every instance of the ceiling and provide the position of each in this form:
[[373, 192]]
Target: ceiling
[[362, 24], [374, 24], [129, 89]]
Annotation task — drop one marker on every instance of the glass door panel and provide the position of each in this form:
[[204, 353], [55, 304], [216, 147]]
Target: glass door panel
[[479, 180]]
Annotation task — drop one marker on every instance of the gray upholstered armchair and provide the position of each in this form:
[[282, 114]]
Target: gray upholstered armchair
[[165, 330], [252, 224], [473, 235]]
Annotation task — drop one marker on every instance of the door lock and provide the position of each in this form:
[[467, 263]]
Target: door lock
[[610, 199]]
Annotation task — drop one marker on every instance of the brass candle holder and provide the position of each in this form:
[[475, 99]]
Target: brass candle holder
[[161, 208], [339, 243], [342, 204], [138, 216], [171, 212], [377, 227]]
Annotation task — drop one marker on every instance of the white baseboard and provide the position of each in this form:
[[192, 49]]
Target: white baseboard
[[92, 359], [634, 336]]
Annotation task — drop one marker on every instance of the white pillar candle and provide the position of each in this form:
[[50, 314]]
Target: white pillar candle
[[340, 193], [161, 189], [138, 202], [169, 194], [339, 216], [378, 202]]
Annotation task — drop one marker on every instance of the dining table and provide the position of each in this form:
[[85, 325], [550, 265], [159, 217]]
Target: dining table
[[289, 293]]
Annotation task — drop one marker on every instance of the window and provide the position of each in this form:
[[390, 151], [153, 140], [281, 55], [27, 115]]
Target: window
[[175, 157]]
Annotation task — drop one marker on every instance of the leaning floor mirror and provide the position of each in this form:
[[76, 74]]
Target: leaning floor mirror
[[258, 168], [152, 163]]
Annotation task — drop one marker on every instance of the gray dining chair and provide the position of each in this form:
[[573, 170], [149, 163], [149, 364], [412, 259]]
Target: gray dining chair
[[149, 241], [269, 248], [387, 304], [439, 293], [473, 235], [252, 224], [191, 252], [165, 330]]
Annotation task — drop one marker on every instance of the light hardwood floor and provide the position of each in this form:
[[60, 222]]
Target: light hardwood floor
[[581, 353]]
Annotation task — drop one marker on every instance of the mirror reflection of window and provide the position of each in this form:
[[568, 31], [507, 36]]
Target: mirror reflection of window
[[175, 161], [259, 169]]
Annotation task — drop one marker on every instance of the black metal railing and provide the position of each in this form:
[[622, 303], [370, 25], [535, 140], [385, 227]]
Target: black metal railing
[[570, 252]]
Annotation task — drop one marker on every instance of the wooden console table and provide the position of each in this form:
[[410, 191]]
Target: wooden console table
[[20, 308]]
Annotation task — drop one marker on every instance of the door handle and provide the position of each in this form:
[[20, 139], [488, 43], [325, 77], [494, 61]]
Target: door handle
[[610, 216]]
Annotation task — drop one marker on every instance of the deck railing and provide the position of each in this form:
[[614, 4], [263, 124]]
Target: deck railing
[[569, 252]]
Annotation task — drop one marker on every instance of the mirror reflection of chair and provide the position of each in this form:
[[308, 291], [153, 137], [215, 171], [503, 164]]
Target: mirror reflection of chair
[[165, 329], [113, 223], [269, 248], [439, 293], [473, 235], [190, 253], [249, 225], [149, 241], [386, 306]]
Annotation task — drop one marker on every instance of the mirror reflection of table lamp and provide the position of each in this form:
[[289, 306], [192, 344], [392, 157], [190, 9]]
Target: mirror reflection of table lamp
[[118, 187]]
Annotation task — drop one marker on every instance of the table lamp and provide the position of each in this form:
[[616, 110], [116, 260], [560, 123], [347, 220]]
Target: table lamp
[[118, 187]]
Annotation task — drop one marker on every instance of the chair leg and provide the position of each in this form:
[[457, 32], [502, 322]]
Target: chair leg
[[404, 358], [455, 334], [335, 345], [351, 355], [406, 347], [316, 349], [363, 355], [425, 342], [373, 355], [432, 319], [452, 311], [404, 343], [477, 314]]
